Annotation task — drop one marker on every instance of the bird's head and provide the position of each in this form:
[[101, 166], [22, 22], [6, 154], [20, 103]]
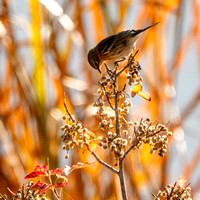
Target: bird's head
[[93, 59]]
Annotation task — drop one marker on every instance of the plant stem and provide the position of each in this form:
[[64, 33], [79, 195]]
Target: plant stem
[[101, 161], [116, 104], [117, 114], [121, 178], [121, 169]]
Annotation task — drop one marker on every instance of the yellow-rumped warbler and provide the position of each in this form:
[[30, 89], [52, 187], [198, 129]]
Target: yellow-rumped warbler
[[114, 47]]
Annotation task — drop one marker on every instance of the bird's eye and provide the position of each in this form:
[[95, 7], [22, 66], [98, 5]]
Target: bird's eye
[[96, 63]]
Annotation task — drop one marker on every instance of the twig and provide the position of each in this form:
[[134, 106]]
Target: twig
[[69, 113], [130, 148], [49, 177], [116, 103], [171, 193], [101, 161], [56, 194], [117, 114], [129, 62], [10, 191], [108, 99], [108, 70]]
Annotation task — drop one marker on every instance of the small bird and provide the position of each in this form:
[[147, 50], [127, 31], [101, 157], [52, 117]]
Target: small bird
[[114, 47]]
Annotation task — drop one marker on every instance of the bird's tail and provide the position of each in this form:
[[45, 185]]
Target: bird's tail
[[144, 29]]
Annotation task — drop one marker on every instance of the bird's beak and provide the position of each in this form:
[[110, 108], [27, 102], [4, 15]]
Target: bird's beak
[[99, 70]]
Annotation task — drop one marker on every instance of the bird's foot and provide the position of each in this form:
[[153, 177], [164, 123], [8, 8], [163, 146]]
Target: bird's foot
[[116, 63]]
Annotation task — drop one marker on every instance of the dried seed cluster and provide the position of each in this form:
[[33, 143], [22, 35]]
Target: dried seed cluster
[[112, 140], [174, 192], [154, 134], [134, 74], [113, 105], [74, 134], [105, 103], [115, 144], [25, 193], [142, 132]]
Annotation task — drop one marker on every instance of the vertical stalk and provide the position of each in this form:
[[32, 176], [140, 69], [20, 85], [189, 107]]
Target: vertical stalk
[[121, 178], [117, 114], [121, 169], [116, 104]]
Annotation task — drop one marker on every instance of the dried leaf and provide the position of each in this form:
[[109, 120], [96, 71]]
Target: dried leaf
[[144, 95], [181, 182], [137, 89]]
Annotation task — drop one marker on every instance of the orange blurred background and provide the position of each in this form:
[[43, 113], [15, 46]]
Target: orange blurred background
[[43, 57]]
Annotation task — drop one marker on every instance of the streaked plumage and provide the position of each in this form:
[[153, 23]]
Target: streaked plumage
[[114, 47]]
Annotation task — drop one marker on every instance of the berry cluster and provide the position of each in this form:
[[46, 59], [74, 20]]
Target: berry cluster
[[115, 144], [143, 131], [113, 105], [154, 134], [134, 74], [74, 134], [174, 192], [26, 193]]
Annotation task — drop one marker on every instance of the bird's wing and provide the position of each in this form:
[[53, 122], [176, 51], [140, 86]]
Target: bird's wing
[[109, 43]]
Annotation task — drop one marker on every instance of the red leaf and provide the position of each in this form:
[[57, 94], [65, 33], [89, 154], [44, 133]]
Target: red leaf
[[35, 174], [60, 185], [59, 171], [43, 168], [42, 187], [81, 165], [38, 171]]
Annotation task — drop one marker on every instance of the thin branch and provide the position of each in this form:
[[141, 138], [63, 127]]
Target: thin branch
[[130, 148], [109, 71], [101, 161], [117, 114], [10, 191], [129, 62], [170, 195], [108, 99], [49, 177], [116, 103], [56, 194], [69, 113]]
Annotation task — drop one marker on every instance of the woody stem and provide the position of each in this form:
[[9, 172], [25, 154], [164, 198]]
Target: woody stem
[[116, 105], [121, 178], [121, 168]]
